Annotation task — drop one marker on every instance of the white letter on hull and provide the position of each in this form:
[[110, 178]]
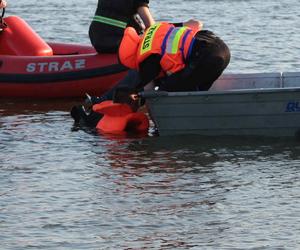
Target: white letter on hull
[[53, 66], [42, 66], [66, 65], [30, 67], [80, 64]]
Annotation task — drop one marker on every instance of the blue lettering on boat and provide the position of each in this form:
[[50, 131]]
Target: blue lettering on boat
[[292, 106]]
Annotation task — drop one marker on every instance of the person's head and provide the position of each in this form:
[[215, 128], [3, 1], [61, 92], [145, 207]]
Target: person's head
[[209, 58]]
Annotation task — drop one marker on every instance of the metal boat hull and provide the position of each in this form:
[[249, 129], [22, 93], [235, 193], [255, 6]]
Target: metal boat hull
[[273, 110]]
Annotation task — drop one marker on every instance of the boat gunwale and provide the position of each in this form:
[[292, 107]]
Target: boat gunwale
[[157, 94]]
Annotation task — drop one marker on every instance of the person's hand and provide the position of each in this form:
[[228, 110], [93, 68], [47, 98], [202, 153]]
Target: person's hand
[[193, 24], [2, 4]]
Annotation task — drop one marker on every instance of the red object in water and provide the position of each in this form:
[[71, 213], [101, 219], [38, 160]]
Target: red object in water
[[119, 117], [30, 67]]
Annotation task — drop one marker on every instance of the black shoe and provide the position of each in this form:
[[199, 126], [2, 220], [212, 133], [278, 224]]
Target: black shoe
[[78, 113], [91, 100], [80, 116]]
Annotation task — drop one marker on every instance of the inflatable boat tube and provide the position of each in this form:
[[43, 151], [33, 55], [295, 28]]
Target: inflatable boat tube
[[30, 67]]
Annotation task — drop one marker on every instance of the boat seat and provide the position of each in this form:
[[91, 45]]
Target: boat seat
[[247, 81], [291, 79]]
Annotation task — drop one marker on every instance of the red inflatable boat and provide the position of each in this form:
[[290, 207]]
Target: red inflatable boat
[[30, 67]]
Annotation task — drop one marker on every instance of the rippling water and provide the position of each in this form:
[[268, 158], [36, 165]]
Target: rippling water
[[65, 188]]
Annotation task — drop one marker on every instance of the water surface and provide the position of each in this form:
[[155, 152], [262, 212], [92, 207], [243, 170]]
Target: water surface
[[63, 187]]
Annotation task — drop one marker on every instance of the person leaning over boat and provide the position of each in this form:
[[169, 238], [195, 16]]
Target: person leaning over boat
[[2, 4], [112, 17], [188, 57], [170, 58]]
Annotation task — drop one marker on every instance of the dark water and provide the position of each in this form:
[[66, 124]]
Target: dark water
[[66, 188]]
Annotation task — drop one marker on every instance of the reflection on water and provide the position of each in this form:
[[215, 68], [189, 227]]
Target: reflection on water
[[68, 188], [221, 192]]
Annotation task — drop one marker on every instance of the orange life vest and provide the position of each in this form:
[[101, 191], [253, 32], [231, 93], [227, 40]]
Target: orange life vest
[[172, 43]]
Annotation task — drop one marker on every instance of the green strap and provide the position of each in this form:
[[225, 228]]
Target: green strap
[[110, 21]]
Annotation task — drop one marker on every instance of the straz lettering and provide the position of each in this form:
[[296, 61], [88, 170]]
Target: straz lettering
[[56, 66], [147, 40], [148, 37], [292, 106]]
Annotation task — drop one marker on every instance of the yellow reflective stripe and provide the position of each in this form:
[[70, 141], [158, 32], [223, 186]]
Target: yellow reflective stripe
[[110, 21], [148, 38], [170, 40], [176, 40]]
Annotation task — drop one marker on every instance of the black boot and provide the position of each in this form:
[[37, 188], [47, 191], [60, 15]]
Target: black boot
[[89, 119], [91, 100]]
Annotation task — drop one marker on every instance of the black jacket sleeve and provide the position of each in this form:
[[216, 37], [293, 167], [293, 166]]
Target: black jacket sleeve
[[149, 69], [139, 3]]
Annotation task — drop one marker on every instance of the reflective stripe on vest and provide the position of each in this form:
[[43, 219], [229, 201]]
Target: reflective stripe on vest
[[185, 56], [110, 21], [148, 38], [173, 41], [175, 47], [173, 44]]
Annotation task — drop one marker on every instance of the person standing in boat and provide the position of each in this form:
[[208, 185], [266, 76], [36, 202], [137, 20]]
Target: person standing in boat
[[111, 19], [3, 4]]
